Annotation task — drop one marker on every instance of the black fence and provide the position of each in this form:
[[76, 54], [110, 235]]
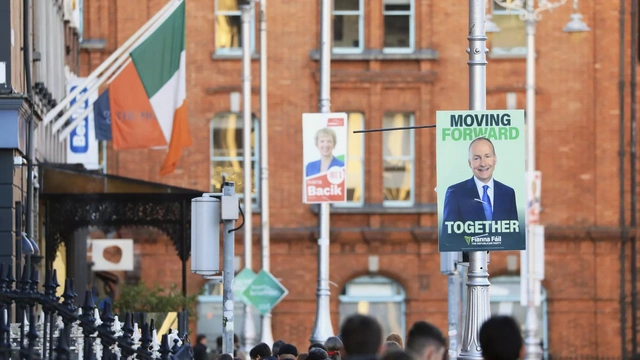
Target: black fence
[[64, 331]]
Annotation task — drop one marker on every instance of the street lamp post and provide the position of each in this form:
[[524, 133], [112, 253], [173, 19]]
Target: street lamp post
[[530, 12]]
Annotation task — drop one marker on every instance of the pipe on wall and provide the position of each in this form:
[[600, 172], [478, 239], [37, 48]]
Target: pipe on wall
[[632, 160], [623, 230]]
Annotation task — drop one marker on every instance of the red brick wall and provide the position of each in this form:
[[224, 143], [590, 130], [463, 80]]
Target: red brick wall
[[577, 152]]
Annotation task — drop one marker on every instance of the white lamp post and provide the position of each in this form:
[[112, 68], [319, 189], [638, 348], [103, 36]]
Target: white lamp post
[[530, 12]]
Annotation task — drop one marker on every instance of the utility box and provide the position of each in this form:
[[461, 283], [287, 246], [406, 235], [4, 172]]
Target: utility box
[[205, 236]]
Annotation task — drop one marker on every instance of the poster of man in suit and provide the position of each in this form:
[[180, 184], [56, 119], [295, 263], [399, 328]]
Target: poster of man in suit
[[481, 180]]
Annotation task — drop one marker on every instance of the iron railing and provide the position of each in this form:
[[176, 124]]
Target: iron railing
[[64, 331]]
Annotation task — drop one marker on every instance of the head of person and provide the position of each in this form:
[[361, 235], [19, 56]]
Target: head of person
[[260, 351], [389, 346], [397, 355], [276, 347], [334, 347], [426, 342], [288, 351], [482, 159], [317, 345], [317, 353], [225, 357], [201, 339], [361, 335], [395, 337], [326, 141], [500, 339]]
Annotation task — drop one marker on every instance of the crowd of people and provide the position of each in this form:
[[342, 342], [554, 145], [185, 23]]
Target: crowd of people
[[361, 338]]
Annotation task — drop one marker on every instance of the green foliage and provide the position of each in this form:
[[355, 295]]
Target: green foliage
[[141, 298]]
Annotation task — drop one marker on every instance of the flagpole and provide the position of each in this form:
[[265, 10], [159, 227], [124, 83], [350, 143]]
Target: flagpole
[[94, 75], [123, 57], [267, 334], [249, 326]]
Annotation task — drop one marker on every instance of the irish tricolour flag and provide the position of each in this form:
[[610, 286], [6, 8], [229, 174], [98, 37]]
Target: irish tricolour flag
[[147, 98]]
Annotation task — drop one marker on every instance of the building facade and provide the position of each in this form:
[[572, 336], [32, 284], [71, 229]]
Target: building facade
[[395, 63], [31, 83]]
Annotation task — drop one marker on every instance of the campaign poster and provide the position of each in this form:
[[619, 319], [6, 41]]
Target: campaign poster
[[480, 159], [324, 155]]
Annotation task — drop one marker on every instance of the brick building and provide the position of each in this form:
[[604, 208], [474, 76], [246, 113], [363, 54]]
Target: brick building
[[396, 63]]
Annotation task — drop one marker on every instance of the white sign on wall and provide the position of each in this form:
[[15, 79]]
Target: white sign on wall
[[112, 254]]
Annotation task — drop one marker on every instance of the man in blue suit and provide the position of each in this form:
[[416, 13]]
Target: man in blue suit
[[481, 197]]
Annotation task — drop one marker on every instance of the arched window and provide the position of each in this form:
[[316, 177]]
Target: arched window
[[378, 296], [505, 300]]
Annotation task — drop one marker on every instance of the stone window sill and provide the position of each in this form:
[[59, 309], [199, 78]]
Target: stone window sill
[[379, 209], [215, 56], [370, 54]]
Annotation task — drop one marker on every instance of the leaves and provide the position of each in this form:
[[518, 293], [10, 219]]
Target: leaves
[[141, 298]]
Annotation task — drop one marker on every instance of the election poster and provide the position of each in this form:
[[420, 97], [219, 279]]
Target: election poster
[[324, 155], [480, 158]]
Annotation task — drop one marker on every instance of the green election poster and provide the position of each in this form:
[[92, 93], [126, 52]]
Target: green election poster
[[480, 158]]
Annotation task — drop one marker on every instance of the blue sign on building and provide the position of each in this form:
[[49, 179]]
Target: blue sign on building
[[79, 138]]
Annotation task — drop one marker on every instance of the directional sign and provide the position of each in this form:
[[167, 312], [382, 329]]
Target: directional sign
[[265, 292], [241, 281]]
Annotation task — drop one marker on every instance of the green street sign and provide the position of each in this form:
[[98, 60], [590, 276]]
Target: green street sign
[[265, 292], [240, 283]]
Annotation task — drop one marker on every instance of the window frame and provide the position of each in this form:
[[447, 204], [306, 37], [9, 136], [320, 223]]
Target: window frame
[[507, 51], [361, 14], [513, 280], [355, 204], [238, 50], [255, 156], [411, 157], [412, 29], [377, 279]]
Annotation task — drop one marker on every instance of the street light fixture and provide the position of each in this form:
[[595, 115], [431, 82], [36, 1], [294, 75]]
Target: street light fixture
[[529, 11]]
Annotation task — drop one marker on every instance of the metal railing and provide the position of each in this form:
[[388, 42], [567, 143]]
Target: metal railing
[[64, 331]]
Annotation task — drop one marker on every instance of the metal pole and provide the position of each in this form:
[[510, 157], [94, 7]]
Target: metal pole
[[228, 189], [249, 327], [478, 310], [453, 297], [267, 335], [322, 328], [532, 343]]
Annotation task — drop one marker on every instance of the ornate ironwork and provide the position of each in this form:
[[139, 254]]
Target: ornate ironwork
[[170, 213]]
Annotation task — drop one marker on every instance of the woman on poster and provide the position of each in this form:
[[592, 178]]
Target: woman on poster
[[325, 141]]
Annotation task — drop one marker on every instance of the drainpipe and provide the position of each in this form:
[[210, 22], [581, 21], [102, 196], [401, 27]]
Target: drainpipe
[[623, 230]]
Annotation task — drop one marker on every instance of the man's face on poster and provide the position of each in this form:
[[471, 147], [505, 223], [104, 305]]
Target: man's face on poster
[[482, 160]]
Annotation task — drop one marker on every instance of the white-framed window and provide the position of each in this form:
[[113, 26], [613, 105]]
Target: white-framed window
[[398, 154], [210, 314], [348, 26], [512, 39], [377, 296], [399, 26], [505, 300], [227, 153], [228, 23], [355, 161]]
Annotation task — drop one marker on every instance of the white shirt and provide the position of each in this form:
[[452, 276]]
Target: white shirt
[[480, 185]]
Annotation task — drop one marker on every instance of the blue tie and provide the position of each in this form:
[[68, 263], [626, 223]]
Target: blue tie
[[486, 204]]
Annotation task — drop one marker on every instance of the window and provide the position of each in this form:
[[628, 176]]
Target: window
[[512, 39], [348, 27], [227, 154], [210, 315], [398, 25], [229, 27], [377, 296], [505, 300], [398, 158], [355, 161]]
